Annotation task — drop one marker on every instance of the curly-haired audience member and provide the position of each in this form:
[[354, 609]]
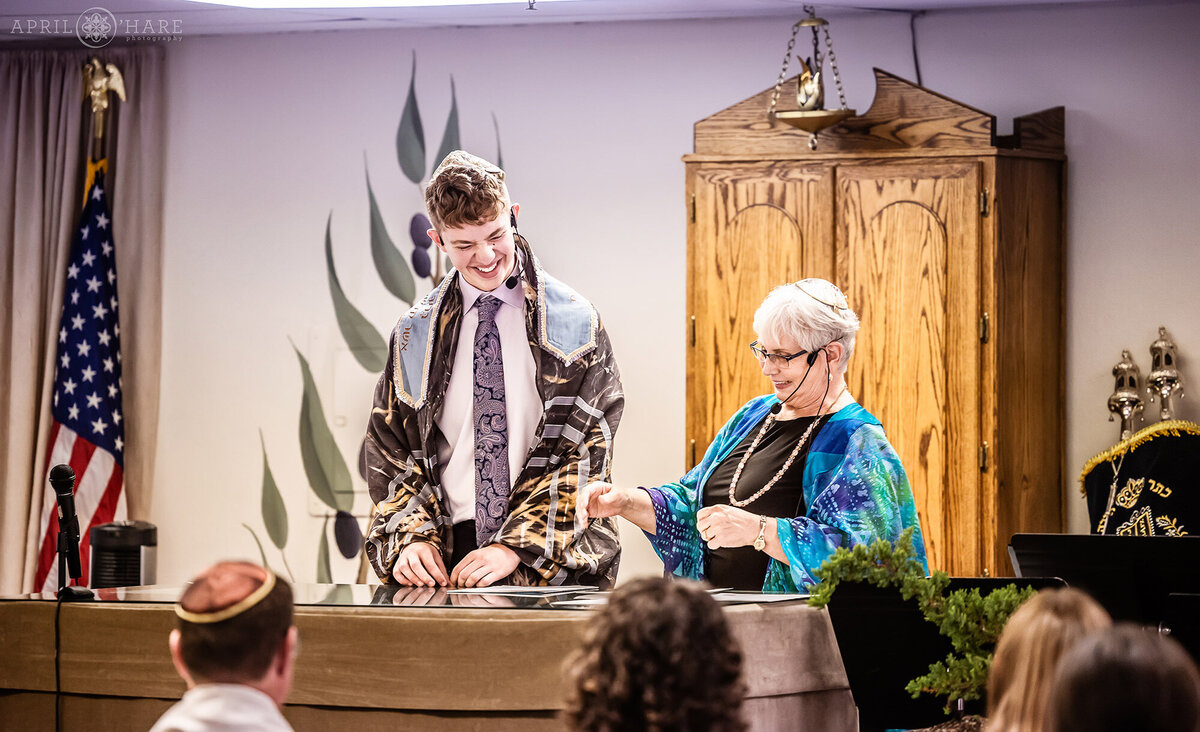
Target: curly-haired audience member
[[1125, 678], [1035, 638], [659, 657]]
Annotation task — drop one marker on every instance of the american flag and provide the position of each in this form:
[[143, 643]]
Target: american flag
[[88, 426]]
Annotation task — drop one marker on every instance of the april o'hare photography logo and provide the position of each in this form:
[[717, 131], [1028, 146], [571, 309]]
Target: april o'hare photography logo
[[96, 27]]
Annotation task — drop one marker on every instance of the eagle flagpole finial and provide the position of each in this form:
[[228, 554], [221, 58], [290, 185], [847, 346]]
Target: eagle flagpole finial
[[98, 80]]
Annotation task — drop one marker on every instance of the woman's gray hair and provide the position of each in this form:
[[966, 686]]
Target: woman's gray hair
[[812, 313]]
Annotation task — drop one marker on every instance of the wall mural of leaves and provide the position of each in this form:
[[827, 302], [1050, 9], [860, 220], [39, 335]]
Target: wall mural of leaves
[[450, 140], [323, 462], [389, 262], [324, 571], [410, 135], [366, 345], [258, 543], [324, 466], [347, 534], [273, 511], [418, 231]]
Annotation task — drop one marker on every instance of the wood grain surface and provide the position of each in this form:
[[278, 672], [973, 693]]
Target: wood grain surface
[[756, 227], [26, 647], [907, 255], [1043, 131], [903, 116], [1031, 419], [379, 667]]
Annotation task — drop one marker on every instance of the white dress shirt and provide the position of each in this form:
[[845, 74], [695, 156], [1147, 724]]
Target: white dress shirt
[[522, 403], [223, 708]]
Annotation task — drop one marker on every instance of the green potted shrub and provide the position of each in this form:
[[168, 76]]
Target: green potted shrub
[[969, 619]]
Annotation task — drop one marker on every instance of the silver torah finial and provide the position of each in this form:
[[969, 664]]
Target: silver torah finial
[[1126, 399], [1165, 380]]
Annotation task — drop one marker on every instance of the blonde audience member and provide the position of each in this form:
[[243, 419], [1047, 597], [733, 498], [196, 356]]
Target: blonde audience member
[[659, 658], [1036, 636], [235, 646], [1125, 678]]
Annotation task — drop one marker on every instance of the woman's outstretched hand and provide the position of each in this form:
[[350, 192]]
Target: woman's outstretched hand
[[601, 500]]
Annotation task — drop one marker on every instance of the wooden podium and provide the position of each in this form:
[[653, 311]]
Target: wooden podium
[[370, 667]]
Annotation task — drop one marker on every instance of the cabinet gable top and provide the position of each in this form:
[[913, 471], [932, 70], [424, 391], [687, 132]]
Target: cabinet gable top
[[903, 117]]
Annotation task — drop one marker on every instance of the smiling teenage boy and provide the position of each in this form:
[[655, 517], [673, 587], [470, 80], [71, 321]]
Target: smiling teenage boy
[[499, 401]]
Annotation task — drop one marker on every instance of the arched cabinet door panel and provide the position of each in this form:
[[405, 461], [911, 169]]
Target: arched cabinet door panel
[[907, 258], [756, 226]]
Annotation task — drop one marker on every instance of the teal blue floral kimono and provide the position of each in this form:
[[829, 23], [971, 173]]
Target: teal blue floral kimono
[[855, 490]]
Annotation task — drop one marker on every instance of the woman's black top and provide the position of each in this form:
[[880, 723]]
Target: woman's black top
[[744, 567]]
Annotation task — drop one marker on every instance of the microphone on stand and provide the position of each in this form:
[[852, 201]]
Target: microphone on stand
[[62, 479]]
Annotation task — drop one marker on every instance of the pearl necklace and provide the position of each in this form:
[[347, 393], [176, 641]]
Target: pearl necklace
[[787, 464]]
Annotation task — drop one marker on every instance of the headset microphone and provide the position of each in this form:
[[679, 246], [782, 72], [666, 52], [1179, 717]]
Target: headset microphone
[[811, 358], [514, 278], [779, 407]]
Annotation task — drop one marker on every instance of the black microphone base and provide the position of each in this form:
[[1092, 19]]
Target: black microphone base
[[71, 593]]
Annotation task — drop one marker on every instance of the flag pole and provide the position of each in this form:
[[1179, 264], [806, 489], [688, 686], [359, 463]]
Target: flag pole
[[99, 79], [86, 433]]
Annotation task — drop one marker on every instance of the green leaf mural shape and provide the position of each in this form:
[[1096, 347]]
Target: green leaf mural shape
[[324, 465], [499, 155], [261, 553], [410, 137], [389, 262], [324, 573], [339, 595], [450, 139], [274, 513], [365, 343]]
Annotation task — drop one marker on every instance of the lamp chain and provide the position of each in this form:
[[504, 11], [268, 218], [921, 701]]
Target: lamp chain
[[787, 55], [837, 78]]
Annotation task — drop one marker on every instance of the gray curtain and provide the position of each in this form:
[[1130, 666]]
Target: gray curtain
[[42, 138]]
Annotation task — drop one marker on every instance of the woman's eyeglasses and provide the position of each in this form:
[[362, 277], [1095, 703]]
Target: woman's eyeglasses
[[778, 360]]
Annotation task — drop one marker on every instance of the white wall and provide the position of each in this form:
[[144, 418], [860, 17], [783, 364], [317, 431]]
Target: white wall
[[268, 135]]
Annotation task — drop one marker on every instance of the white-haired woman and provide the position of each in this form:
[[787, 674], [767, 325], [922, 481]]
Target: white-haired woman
[[792, 476]]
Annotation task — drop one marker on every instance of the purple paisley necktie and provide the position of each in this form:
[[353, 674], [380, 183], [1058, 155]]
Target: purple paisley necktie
[[491, 425]]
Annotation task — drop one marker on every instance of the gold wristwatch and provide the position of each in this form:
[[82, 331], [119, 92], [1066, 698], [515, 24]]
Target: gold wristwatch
[[761, 542]]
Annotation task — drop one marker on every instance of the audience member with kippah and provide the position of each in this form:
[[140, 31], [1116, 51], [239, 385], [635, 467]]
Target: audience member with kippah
[[235, 646]]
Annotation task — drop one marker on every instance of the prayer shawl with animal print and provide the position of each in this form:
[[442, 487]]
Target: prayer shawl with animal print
[[580, 389]]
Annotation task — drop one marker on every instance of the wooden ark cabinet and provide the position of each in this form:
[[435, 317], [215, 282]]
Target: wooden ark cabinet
[[948, 241]]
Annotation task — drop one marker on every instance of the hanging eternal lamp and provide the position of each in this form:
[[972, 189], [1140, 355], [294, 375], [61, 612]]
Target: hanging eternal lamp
[[812, 117]]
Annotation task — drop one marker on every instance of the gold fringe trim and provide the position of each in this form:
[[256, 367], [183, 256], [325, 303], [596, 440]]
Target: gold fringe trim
[[235, 609], [93, 167], [1173, 428]]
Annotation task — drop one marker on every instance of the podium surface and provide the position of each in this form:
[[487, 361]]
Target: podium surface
[[381, 657]]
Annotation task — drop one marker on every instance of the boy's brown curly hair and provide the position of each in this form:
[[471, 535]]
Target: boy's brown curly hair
[[465, 190], [660, 656]]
